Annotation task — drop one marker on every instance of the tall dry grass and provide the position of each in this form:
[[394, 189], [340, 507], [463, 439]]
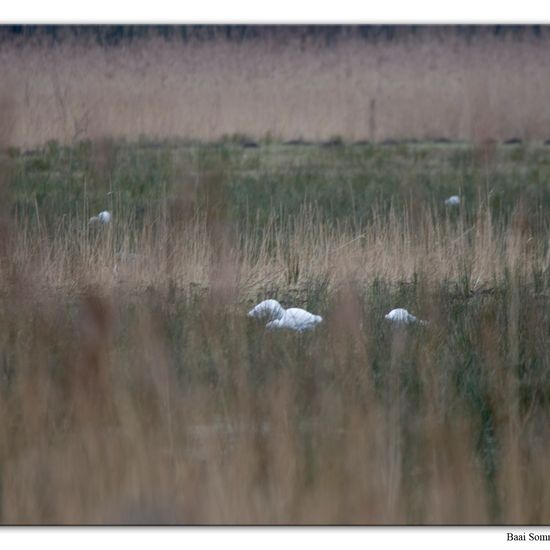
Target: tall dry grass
[[298, 252], [135, 389], [287, 83]]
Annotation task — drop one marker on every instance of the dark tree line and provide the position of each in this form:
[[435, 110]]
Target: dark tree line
[[113, 35]]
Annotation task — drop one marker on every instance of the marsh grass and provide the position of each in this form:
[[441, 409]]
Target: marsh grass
[[134, 389], [322, 84]]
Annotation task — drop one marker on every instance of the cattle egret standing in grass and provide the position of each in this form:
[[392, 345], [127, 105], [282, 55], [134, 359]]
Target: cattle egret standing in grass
[[403, 317], [294, 318], [102, 218], [453, 201]]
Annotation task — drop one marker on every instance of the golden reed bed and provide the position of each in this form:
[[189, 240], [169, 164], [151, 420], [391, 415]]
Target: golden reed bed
[[288, 83]]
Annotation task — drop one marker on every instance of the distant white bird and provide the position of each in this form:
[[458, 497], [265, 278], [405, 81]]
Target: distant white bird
[[102, 218], [453, 201], [403, 317], [293, 318]]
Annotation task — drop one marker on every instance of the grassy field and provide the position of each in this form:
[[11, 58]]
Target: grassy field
[[135, 389]]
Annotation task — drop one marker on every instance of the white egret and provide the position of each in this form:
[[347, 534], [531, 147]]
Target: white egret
[[268, 309], [401, 317], [102, 218], [453, 201], [294, 318]]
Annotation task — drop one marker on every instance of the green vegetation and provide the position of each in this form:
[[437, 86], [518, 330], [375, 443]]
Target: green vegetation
[[345, 182]]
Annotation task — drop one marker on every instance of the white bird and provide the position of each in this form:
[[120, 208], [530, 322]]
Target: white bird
[[293, 318], [268, 309], [296, 319], [102, 218], [453, 201], [402, 317]]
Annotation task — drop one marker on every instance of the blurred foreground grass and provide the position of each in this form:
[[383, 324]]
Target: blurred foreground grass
[[134, 389]]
